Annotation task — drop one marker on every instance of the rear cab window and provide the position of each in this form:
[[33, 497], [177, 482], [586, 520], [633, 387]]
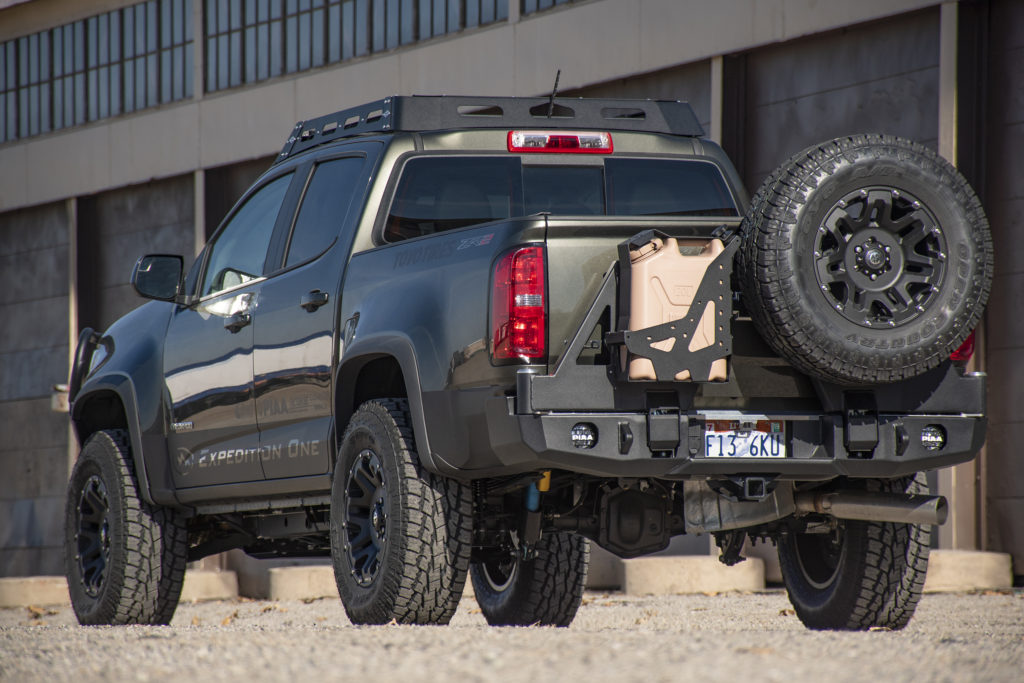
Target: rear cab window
[[438, 193]]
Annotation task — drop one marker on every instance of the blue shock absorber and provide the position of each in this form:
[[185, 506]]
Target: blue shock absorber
[[532, 498]]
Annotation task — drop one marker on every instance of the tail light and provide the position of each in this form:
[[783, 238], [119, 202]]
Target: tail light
[[966, 350], [518, 320], [560, 142]]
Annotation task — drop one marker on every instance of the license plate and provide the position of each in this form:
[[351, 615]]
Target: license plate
[[725, 439]]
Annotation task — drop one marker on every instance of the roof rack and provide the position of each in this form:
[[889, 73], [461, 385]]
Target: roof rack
[[436, 113]]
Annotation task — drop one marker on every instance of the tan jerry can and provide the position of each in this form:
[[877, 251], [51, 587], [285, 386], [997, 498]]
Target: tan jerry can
[[665, 275]]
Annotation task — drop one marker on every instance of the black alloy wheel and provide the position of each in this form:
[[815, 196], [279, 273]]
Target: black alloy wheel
[[499, 573], [819, 556], [366, 517], [880, 257], [92, 535]]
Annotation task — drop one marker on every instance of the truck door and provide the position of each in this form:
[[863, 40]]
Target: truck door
[[208, 353], [295, 343]]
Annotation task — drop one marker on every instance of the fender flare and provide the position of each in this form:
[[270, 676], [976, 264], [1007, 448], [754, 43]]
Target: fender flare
[[121, 385], [399, 347]]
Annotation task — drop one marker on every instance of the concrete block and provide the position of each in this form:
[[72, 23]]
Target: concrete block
[[31, 522], [688, 574], [28, 424], [22, 591], [951, 571], [34, 276], [37, 227], [34, 473], [207, 584], [38, 561], [301, 583], [30, 374]]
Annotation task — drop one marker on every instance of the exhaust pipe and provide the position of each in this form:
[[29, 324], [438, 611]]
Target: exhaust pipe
[[868, 506]]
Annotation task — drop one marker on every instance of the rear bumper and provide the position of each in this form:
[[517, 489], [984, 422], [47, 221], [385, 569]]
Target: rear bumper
[[631, 444]]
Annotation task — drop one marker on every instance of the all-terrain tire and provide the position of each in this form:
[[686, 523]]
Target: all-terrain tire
[[546, 590], [124, 559], [400, 536], [865, 259], [866, 575]]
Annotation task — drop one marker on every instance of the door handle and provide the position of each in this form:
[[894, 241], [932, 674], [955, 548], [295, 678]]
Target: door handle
[[313, 300], [237, 321]]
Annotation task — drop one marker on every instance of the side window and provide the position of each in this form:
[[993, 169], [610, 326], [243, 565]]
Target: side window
[[444, 193], [239, 251], [324, 207]]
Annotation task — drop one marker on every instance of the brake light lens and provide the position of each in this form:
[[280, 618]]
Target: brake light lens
[[518, 320], [560, 141], [966, 350]]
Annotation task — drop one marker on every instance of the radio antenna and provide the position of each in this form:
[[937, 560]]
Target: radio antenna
[[554, 91]]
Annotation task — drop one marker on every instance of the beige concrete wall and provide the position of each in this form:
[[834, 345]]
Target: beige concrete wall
[[591, 42]]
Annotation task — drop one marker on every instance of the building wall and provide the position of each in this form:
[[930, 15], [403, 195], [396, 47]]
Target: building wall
[[1003, 196], [33, 357], [117, 227], [877, 77]]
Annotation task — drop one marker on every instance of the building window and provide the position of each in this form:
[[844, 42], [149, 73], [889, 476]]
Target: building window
[[109, 64], [531, 6], [248, 41]]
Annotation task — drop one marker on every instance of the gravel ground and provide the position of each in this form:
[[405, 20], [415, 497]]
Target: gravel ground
[[726, 637]]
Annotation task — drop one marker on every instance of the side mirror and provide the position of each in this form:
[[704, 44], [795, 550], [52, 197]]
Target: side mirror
[[158, 276]]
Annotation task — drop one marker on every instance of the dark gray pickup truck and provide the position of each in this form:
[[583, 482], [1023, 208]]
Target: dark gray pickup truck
[[451, 336]]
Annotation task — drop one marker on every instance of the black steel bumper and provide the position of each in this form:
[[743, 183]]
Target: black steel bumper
[[672, 446]]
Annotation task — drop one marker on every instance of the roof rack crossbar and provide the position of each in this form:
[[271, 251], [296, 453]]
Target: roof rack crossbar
[[445, 112]]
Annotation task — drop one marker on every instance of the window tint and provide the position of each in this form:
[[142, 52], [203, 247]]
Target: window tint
[[443, 193], [240, 249], [324, 208], [666, 187], [566, 190]]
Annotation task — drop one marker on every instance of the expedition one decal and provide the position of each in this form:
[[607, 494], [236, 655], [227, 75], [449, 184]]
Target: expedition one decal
[[187, 461]]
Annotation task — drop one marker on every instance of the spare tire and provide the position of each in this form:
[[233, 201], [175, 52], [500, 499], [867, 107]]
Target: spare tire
[[865, 259]]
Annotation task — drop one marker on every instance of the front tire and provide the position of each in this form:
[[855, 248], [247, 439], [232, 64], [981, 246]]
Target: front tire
[[546, 590], [863, 575], [124, 559], [400, 536]]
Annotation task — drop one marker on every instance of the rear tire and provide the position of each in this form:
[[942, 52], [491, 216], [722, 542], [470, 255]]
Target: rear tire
[[545, 591], [400, 536], [865, 575], [124, 559]]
